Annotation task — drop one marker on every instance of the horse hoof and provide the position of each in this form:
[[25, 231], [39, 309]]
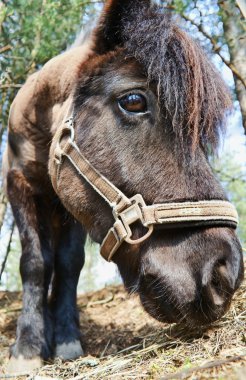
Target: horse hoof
[[21, 366], [69, 351]]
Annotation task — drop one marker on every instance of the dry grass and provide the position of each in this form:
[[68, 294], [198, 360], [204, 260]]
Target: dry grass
[[123, 342]]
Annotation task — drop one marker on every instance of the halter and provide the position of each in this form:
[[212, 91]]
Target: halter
[[127, 211]]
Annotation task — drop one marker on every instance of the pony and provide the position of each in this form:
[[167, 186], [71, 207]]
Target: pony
[[147, 111]]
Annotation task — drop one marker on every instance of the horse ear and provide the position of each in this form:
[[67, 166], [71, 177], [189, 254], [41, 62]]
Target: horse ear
[[108, 33]]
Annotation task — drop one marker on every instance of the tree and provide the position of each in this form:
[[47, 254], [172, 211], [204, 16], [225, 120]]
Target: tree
[[221, 28], [235, 37], [33, 31]]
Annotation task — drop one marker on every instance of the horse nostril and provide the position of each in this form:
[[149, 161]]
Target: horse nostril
[[220, 285], [217, 298], [222, 270]]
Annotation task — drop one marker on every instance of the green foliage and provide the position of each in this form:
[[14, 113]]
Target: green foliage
[[182, 5], [232, 174], [31, 33]]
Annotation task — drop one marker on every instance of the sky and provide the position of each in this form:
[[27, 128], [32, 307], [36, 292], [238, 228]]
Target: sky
[[235, 139]]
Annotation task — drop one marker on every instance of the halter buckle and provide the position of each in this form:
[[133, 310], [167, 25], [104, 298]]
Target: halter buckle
[[67, 129], [130, 215]]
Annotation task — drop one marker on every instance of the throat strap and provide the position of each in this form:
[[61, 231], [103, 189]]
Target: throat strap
[[128, 211]]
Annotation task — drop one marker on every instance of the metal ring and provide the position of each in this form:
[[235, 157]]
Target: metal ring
[[140, 240]]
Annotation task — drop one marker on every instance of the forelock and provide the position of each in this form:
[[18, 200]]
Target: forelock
[[189, 87]]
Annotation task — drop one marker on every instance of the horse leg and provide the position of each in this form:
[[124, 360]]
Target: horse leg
[[69, 260], [34, 336]]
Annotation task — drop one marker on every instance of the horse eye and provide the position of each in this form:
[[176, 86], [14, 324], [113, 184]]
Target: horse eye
[[135, 103]]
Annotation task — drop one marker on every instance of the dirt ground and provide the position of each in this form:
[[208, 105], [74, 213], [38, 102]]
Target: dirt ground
[[123, 342]]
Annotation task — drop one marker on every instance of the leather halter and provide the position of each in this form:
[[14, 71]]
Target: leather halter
[[127, 211]]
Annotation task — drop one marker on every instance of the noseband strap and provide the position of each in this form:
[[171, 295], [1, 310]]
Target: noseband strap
[[127, 211]]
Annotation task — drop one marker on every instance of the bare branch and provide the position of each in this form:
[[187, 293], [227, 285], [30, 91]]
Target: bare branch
[[216, 48], [230, 178], [187, 372], [11, 85], [13, 57], [5, 48], [3, 206], [8, 249], [242, 6]]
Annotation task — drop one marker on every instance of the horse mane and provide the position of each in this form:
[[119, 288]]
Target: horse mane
[[189, 87]]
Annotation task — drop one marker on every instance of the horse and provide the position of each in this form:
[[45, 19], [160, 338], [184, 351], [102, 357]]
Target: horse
[[126, 121]]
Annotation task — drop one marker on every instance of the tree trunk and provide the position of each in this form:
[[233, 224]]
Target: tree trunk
[[235, 36]]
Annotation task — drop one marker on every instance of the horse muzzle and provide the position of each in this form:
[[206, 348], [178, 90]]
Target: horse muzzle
[[191, 282]]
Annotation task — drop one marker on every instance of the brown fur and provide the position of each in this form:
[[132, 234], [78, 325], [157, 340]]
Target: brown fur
[[186, 275]]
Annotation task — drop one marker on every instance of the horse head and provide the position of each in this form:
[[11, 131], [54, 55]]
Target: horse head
[[147, 108]]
